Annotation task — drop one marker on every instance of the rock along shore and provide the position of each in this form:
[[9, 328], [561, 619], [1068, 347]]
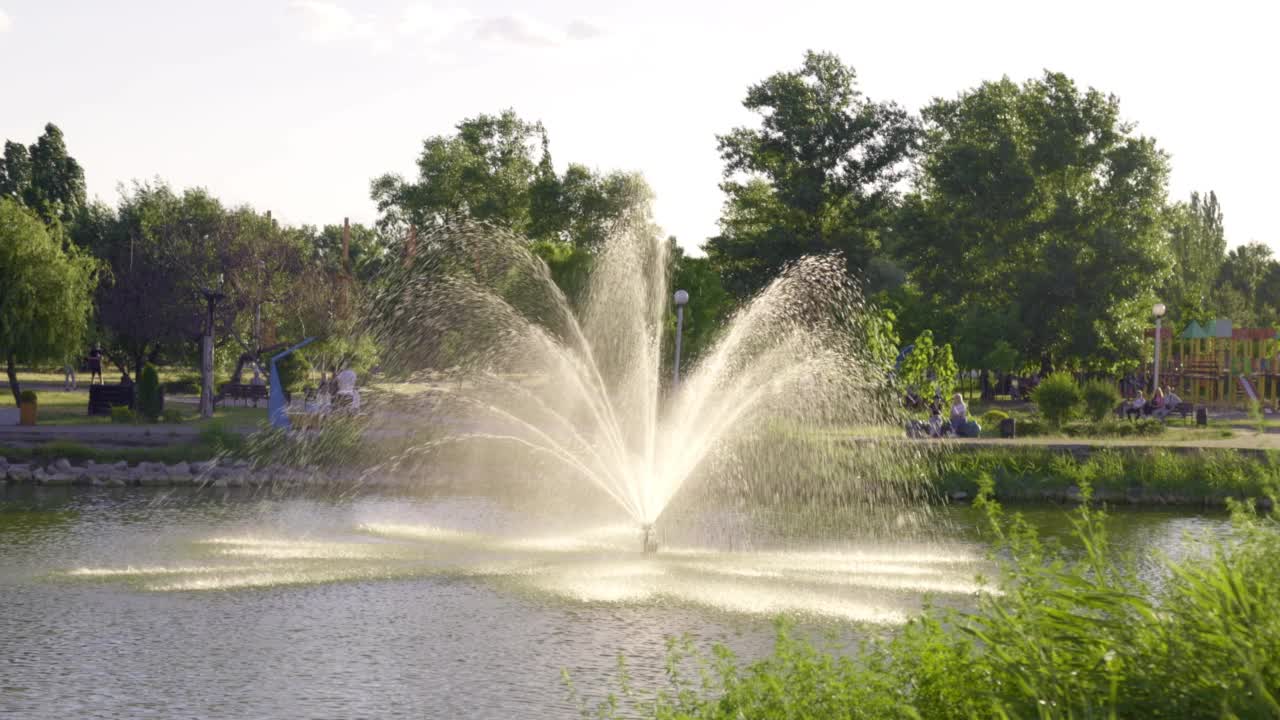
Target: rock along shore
[[211, 473]]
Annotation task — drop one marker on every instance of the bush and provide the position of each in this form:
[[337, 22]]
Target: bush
[[1032, 426], [27, 396], [1100, 398], [171, 415], [150, 397], [1057, 397], [122, 415], [991, 419]]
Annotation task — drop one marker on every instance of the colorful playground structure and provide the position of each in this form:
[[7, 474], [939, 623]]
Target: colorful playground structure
[[1220, 366]]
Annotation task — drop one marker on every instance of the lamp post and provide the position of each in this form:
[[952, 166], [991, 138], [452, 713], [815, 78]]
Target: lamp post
[[206, 355], [681, 299], [1157, 310]]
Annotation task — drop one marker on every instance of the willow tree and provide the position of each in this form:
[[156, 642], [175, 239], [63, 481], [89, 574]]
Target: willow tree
[[46, 292]]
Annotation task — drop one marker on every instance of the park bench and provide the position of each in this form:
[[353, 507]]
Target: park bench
[[104, 397], [242, 392]]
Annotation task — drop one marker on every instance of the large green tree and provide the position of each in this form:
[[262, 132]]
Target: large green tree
[[45, 292], [498, 169], [820, 173], [1247, 292], [44, 177], [1038, 198], [1198, 246]]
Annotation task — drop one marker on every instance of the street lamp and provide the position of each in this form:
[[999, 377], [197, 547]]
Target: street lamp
[[681, 299], [1157, 310], [212, 297]]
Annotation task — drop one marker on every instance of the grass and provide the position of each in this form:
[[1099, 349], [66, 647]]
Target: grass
[[1120, 473], [59, 408], [1067, 635], [77, 452]]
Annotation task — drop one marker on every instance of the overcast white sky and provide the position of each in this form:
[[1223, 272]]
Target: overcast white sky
[[294, 105]]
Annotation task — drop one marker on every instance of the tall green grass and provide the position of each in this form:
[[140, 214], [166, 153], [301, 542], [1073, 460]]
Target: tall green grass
[[1029, 473], [1067, 636]]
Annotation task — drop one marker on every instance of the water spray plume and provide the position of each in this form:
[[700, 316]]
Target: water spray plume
[[574, 390]]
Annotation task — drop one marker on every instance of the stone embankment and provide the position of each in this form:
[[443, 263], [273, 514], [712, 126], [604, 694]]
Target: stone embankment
[[211, 473]]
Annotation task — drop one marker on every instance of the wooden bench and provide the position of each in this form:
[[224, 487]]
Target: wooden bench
[[104, 397], [242, 392]]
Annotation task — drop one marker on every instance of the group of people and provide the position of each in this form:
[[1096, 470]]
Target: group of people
[[93, 362], [337, 390], [1162, 402], [957, 423]]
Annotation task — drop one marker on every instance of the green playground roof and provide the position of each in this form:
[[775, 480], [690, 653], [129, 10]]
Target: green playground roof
[[1194, 332]]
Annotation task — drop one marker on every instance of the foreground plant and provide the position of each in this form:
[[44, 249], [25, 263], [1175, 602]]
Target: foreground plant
[[1070, 635]]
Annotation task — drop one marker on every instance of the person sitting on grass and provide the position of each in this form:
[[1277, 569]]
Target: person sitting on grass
[[959, 414], [1136, 405], [936, 428]]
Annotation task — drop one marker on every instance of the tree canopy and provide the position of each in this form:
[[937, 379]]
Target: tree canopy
[[44, 177], [45, 292], [1039, 200], [819, 174]]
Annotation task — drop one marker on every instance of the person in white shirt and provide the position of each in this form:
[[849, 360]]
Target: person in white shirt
[[347, 392]]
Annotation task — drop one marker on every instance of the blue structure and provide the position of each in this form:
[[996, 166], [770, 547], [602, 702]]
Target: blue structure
[[275, 403]]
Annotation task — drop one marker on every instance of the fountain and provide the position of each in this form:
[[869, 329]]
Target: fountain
[[508, 380]]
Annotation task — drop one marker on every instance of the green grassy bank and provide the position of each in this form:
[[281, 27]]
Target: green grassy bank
[[1118, 475]]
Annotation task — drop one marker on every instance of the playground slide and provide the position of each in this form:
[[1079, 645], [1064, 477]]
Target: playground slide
[[1248, 388]]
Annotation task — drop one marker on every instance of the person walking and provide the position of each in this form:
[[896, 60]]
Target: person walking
[[69, 376], [95, 364]]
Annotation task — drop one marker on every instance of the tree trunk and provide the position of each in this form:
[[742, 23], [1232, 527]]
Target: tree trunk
[[13, 381]]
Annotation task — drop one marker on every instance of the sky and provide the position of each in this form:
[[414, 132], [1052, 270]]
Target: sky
[[294, 106]]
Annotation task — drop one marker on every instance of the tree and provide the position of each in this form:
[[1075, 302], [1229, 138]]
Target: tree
[[45, 292], [484, 172], [498, 169], [929, 369], [158, 252], [1198, 246], [1246, 270], [819, 174], [710, 305], [1040, 199], [44, 177]]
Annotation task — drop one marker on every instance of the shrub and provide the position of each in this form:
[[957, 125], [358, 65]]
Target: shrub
[[1100, 398], [991, 419], [150, 397], [1032, 426], [171, 415], [1057, 397], [27, 396], [122, 415]]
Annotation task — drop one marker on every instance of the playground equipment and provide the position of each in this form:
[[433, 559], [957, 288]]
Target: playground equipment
[[277, 408], [1221, 366]]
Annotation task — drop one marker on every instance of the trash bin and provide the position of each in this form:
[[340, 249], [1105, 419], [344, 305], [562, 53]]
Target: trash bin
[[1008, 428], [1202, 416]]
